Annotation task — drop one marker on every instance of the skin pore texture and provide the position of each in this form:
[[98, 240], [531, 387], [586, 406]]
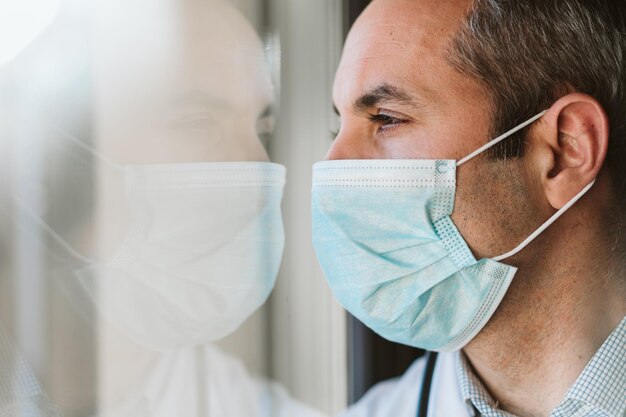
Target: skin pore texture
[[399, 98]]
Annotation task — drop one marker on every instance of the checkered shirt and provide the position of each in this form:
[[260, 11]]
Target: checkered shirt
[[599, 391]]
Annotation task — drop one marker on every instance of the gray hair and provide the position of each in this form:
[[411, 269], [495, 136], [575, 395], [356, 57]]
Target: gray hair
[[529, 53]]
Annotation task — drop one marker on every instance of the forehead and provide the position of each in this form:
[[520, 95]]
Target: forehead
[[180, 46], [403, 43]]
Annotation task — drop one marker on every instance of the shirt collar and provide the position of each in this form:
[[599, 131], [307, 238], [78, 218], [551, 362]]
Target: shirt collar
[[472, 389], [601, 385]]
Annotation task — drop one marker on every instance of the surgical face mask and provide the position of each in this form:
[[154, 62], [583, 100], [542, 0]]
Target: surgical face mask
[[201, 255], [393, 257]]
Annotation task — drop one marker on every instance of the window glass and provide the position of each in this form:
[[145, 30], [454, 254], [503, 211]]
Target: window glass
[[152, 169]]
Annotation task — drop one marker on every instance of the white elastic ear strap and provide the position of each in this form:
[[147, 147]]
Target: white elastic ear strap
[[500, 138], [546, 224], [87, 148], [555, 216]]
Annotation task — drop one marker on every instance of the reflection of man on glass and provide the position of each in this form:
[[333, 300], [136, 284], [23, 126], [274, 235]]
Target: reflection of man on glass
[[21, 393], [195, 235], [187, 237]]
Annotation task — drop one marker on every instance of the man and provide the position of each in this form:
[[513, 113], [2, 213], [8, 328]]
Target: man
[[425, 80]]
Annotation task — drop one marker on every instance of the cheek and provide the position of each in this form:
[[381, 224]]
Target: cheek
[[471, 209], [241, 140], [417, 143], [491, 207]]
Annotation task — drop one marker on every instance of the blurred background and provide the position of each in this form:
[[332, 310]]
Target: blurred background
[[88, 87]]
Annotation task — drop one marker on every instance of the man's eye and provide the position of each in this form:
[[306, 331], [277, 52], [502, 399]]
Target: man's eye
[[193, 122], [385, 122]]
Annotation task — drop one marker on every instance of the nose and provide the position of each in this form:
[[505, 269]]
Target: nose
[[347, 145]]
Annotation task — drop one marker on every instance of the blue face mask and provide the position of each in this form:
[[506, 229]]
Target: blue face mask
[[393, 257]]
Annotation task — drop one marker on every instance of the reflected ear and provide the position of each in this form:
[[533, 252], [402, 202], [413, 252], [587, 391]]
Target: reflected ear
[[576, 132]]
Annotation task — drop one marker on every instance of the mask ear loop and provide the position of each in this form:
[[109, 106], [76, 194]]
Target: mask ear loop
[[88, 149], [555, 216], [500, 138], [546, 224], [55, 236]]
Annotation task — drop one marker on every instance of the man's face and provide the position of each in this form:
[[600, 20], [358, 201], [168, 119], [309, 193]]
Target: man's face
[[397, 95], [399, 98], [190, 84]]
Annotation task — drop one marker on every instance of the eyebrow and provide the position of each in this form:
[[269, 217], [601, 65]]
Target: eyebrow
[[384, 93], [200, 100]]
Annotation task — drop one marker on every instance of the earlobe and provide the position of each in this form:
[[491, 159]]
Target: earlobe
[[578, 136]]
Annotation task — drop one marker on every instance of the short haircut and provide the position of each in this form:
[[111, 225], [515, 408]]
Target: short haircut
[[529, 53]]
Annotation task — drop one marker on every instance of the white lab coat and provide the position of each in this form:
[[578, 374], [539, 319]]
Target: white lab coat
[[206, 382], [399, 397]]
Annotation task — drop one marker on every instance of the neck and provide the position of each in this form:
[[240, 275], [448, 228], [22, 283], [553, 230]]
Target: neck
[[552, 321]]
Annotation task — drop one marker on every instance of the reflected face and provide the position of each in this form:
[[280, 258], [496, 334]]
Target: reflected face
[[179, 81], [398, 97]]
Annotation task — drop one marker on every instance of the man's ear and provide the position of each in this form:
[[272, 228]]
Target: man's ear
[[572, 145]]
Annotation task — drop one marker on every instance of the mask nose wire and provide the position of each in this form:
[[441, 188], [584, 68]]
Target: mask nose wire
[[500, 138]]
